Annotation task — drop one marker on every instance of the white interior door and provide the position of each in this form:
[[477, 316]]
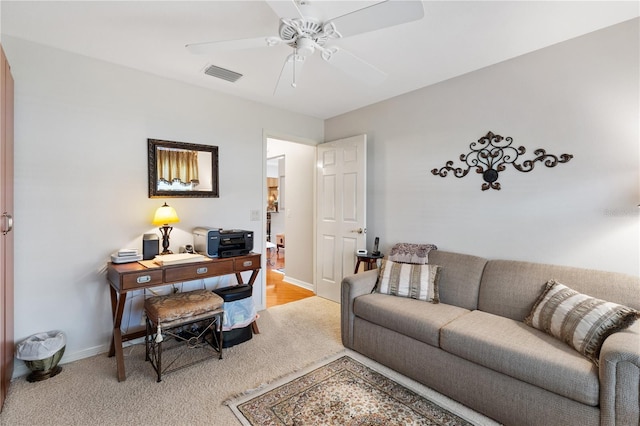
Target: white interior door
[[341, 211]]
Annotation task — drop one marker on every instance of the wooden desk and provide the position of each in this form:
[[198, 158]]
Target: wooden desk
[[126, 277]]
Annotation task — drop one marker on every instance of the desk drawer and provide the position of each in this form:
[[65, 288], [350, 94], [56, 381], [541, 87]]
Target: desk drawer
[[141, 279], [246, 263], [197, 271]]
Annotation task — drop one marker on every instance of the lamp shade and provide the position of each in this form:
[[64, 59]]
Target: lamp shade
[[165, 215]]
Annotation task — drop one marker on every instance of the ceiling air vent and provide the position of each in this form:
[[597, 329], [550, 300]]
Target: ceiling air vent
[[222, 73]]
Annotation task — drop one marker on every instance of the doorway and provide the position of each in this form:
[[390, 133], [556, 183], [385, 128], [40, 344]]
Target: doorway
[[289, 220], [275, 231]]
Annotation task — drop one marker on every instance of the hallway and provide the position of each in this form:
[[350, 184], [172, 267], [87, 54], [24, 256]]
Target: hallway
[[279, 291]]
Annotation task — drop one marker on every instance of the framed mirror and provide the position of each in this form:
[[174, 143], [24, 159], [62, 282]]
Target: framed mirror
[[179, 169]]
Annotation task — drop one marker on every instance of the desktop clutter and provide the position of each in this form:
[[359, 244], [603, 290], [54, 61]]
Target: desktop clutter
[[208, 242]]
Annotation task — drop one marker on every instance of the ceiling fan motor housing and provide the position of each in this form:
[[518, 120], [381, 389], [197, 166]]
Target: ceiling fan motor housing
[[303, 34]]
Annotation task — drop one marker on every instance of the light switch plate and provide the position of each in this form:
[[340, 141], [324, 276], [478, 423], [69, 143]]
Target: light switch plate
[[254, 215]]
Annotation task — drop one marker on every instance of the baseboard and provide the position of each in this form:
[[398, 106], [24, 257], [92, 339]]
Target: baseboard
[[20, 369], [299, 283]]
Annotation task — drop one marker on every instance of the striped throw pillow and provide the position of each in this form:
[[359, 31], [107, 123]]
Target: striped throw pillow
[[581, 321], [409, 280]]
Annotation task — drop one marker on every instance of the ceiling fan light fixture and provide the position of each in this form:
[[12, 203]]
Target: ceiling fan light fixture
[[305, 47], [328, 53], [222, 73], [329, 30]]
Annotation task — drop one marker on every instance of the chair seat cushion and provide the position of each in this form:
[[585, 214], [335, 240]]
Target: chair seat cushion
[[181, 306]]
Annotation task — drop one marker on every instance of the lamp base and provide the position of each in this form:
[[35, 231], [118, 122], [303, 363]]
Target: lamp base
[[165, 230]]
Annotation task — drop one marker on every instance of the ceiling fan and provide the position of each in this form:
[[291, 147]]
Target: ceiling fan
[[305, 33]]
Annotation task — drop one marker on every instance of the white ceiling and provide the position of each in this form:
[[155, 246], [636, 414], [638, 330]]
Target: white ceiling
[[454, 37]]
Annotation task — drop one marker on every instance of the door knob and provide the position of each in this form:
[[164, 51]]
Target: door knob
[[359, 231]]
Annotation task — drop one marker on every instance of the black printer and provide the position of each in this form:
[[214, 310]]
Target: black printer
[[218, 242]]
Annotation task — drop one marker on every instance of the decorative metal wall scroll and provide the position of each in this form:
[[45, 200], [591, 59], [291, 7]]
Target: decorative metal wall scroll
[[491, 154]]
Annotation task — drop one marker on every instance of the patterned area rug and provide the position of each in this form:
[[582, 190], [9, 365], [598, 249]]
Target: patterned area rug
[[344, 391]]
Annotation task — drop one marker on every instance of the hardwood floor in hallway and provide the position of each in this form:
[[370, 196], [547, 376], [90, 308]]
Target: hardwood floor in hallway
[[279, 291]]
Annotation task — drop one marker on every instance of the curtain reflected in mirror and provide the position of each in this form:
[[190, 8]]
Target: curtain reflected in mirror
[[178, 169]]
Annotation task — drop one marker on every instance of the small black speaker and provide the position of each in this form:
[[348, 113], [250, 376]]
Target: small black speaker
[[150, 246]]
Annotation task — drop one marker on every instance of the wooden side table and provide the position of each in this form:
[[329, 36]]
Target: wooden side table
[[370, 261]]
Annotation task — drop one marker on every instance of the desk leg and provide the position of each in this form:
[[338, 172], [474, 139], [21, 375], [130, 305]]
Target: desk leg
[[357, 266], [114, 306], [252, 279], [254, 275], [239, 278], [117, 305]]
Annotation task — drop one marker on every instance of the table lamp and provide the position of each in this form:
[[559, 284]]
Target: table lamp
[[164, 216]]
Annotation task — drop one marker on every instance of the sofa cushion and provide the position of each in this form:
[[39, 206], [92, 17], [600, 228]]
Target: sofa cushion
[[406, 280], [583, 322], [510, 288], [517, 350], [459, 281], [413, 318]]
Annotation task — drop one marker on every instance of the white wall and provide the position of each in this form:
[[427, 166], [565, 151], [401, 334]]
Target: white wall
[[579, 97], [81, 129], [297, 215]]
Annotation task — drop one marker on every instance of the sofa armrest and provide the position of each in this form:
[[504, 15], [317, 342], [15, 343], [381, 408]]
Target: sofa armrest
[[352, 287], [620, 378]]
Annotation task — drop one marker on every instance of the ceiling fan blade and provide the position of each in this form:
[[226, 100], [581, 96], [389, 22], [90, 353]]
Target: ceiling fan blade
[[354, 66], [377, 16], [288, 78], [285, 8], [231, 45]]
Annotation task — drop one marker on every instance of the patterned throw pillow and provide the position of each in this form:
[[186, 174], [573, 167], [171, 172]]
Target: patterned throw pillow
[[581, 321], [411, 253], [408, 280]]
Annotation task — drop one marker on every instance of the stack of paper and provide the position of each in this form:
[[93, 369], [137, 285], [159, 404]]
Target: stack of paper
[[176, 259], [126, 256]]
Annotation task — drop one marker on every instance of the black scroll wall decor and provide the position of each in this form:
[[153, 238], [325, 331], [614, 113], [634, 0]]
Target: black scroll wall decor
[[491, 154]]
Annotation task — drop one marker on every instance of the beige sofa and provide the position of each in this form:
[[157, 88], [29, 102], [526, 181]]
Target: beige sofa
[[475, 348]]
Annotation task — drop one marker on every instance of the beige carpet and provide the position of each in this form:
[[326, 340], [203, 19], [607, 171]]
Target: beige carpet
[[87, 392], [293, 338]]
